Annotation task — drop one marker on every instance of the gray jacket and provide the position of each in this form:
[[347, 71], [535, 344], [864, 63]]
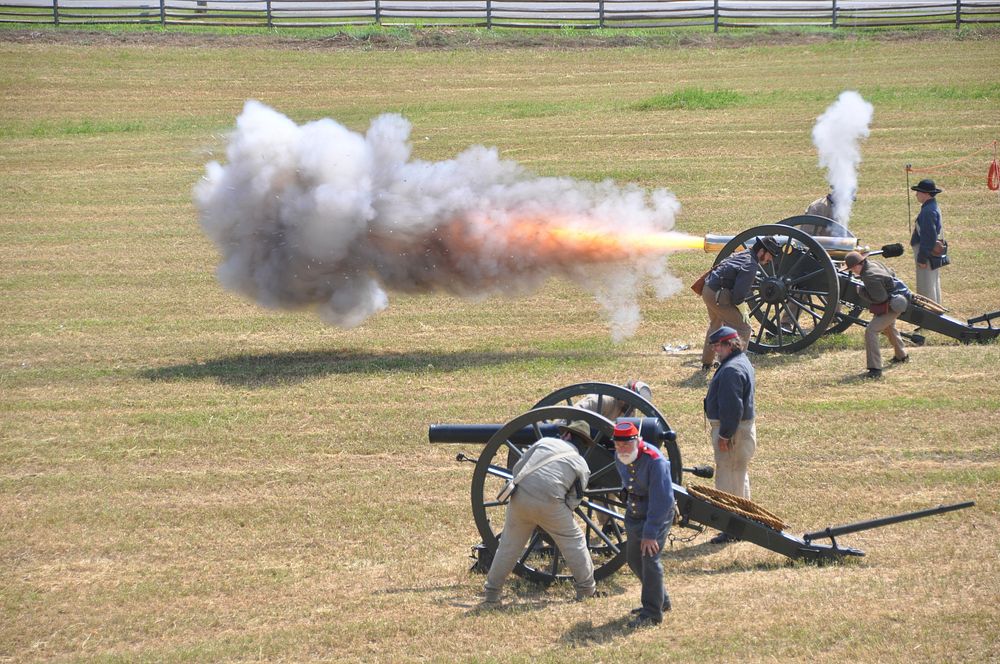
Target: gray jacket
[[879, 283], [821, 207], [553, 481]]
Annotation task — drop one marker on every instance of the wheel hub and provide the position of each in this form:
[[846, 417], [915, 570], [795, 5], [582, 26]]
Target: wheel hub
[[773, 290]]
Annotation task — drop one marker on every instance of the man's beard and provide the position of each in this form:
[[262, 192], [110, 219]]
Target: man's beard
[[628, 458]]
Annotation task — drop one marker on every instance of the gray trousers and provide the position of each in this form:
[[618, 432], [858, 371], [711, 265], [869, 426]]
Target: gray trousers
[[719, 315], [732, 467], [882, 324], [929, 283], [649, 569], [524, 513]]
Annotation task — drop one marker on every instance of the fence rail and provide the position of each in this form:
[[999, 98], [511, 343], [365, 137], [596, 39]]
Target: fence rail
[[505, 13]]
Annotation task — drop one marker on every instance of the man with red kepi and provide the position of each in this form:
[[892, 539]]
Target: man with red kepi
[[645, 474]]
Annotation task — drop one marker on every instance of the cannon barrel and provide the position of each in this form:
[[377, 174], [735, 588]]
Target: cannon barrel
[[650, 429], [837, 247]]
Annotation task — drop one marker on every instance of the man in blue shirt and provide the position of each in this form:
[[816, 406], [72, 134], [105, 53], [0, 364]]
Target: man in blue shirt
[[729, 409], [645, 474], [728, 285], [925, 233]]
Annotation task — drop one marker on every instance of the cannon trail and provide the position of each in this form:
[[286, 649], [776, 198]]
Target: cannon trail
[[319, 216]]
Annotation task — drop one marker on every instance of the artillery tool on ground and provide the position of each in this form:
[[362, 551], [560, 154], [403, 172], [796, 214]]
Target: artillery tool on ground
[[805, 293], [601, 514]]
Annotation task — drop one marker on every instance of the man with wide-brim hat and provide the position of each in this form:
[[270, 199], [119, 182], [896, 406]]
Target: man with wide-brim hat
[[926, 232], [878, 287], [577, 431], [727, 285]]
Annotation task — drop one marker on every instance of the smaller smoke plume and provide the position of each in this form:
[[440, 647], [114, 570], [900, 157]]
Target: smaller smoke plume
[[319, 216], [837, 136]]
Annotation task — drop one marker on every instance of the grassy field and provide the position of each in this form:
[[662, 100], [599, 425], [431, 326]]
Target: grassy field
[[185, 476]]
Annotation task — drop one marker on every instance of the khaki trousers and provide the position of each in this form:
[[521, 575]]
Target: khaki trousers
[[929, 283], [719, 315], [555, 518], [732, 466], [882, 324]]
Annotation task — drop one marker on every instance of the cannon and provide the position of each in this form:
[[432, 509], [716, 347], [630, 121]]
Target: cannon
[[601, 514], [805, 292]]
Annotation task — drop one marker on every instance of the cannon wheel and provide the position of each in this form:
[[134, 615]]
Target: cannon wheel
[[803, 276], [815, 225], [572, 394], [600, 516]]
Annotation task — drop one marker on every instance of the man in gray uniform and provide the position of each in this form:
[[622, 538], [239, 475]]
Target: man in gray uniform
[[548, 490], [821, 207], [879, 285], [612, 408]]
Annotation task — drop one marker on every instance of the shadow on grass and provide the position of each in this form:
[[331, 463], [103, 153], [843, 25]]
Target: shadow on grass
[[731, 567], [586, 633], [282, 368]]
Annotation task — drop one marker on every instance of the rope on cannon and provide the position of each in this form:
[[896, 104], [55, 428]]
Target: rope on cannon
[[738, 505], [928, 304]]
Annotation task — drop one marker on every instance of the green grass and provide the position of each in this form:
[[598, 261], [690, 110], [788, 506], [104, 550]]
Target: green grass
[[189, 477], [692, 99]]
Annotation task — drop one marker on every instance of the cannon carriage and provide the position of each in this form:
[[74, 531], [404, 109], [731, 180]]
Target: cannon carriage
[[806, 293], [601, 514]]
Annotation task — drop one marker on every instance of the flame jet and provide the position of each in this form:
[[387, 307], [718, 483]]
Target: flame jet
[[318, 216]]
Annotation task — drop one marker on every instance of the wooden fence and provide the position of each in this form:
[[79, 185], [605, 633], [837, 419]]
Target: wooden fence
[[504, 13]]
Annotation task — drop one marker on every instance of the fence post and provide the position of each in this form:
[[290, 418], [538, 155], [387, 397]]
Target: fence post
[[378, 12], [489, 14], [55, 12], [834, 15], [958, 14], [600, 9], [715, 22], [163, 12], [270, 19]]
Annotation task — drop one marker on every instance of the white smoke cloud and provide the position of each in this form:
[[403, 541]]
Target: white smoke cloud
[[837, 136], [319, 216]]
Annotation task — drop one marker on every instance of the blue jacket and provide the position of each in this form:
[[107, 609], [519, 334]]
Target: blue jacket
[[650, 489], [735, 273], [730, 394], [926, 232]]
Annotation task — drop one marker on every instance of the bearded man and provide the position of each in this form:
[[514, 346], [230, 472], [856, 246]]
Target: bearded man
[[645, 474]]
